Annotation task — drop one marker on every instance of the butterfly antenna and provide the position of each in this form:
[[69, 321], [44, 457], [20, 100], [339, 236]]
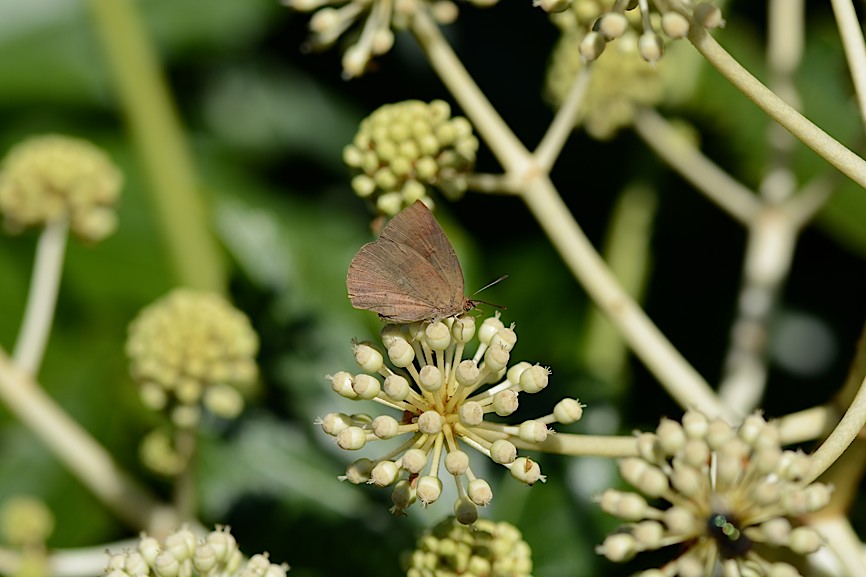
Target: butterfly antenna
[[490, 284]]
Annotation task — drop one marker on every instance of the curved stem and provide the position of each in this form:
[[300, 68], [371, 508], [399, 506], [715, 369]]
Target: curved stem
[[675, 374], [563, 123], [44, 285], [843, 541], [807, 132], [155, 126], [806, 425], [706, 176], [582, 445], [841, 437], [80, 452], [855, 48]]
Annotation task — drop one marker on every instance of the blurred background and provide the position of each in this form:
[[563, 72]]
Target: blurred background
[[267, 123]]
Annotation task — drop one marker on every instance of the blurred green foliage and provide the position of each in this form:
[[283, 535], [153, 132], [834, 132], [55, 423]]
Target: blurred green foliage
[[267, 125]]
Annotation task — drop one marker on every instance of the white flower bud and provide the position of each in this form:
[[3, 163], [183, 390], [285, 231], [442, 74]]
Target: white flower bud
[[533, 431], [384, 473], [390, 334], [358, 472], [805, 541], [166, 565], [149, 549], [438, 336], [552, 6], [675, 25], [456, 462], [526, 471], [413, 461], [467, 373], [680, 521], [505, 402], [695, 453], [489, 328], [401, 353], [333, 423], [503, 452], [688, 481], [223, 543], [690, 566], [718, 434], [534, 379], [470, 414], [592, 46], [671, 436], [342, 384], [695, 425], [650, 480], [385, 427], [428, 489], [618, 547], [505, 338], [651, 47], [479, 492], [136, 565], [612, 25], [369, 359], [366, 387], [430, 423], [514, 372], [396, 387], [463, 328], [649, 534], [647, 446], [351, 438], [180, 544], [430, 378], [776, 531], [708, 15], [751, 428], [496, 358], [568, 411], [403, 494]]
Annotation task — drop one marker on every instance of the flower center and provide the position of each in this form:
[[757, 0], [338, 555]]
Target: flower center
[[728, 536]]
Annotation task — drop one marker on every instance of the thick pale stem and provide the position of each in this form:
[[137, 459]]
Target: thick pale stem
[[80, 452], [675, 374], [583, 445], [855, 48], [843, 541], [842, 436], [563, 123], [807, 132], [44, 284]]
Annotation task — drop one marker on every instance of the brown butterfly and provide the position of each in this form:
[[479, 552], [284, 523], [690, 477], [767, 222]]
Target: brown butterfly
[[410, 273]]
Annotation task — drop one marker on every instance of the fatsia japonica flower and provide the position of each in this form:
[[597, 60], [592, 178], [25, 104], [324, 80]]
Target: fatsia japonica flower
[[726, 498], [442, 386]]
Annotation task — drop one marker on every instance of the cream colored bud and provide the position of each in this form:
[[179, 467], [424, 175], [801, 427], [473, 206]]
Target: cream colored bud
[[568, 411], [401, 353], [351, 438], [470, 414], [675, 25], [438, 336], [341, 383], [503, 452], [430, 378], [180, 544], [708, 15], [681, 521], [369, 359], [223, 401], [428, 489], [612, 25], [618, 547], [534, 379], [358, 472], [463, 328], [526, 471], [533, 431], [671, 437], [385, 427], [505, 402], [651, 47], [649, 534], [592, 46], [430, 423], [695, 425], [403, 494], [479, 492], [552, 6], [166, 565], [396, 387], [489, 328], [456, 462], [496, 358], [467, 373], [366, 387], [413, 461], [695, 453], [688, 481], [384, 473], [505, 338], [805, 541]]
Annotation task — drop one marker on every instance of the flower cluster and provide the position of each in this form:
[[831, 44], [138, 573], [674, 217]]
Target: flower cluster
[[603, 21], [402, 149], [375, 18], [487, 549], [442, 399], [193, 347], [25, 522], [182, 555], [51, 178], [732, 495]]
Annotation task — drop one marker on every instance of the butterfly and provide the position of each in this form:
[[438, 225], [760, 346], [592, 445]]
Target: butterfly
[[410, 273]]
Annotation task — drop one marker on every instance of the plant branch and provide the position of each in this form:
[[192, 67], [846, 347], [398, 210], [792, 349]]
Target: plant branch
[[807, 132], [42, 298], [80, 452], [582, 445], [841, 437], [166, 157], [707, 177], [855, 48], [563, 123]]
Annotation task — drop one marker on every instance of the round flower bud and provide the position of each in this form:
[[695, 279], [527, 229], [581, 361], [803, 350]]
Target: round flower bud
[[505, 402], [403, 495], [533, 431], [351, 438], [479, 492], [384, 473], [592, 46], [513, 374], [671, 437], [180, 544], [456, 462], [505, 338], [25, 521], [401, 353], [430, 378], [463, 328], [718, 434], [396, 387], [366, 387], [467, 373], [649, 534], [695, 453], [680, 521], [776, 531], [695, 425], [341, 383], [149, 548], [651, 47], [465, 511], [647, 446], [628, 506], [489, 328], [430, 423], [612, 25], [470, 414], [526, 471], [782, 570], [166, 565], [358, 472], [51, 178], [618, 547], [650, 480], [805, 541], [568, 411], [496, 358], [438, 336], [688, 481], [503, 452], [385, 427], [413, 461], [708, 15], [428, 489], [675, 25], [223, 401], [223, 543], [534, 379], [369, 359]]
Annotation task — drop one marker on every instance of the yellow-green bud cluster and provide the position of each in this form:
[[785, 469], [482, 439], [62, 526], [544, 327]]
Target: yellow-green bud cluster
[[369, 24], [25, 522], [620, 85], [487, 549], [603, 21], [53, 178], [732, 495], [403, 149], [442, 393], [182, 555], [191, 348]]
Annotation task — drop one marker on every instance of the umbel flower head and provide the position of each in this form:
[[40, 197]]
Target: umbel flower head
[[25, 522], [193, 347], [182, 555], [51, 178], [369, 24], [603, 21], [730, 496], [441, 399], [403, 149], [487, 549]]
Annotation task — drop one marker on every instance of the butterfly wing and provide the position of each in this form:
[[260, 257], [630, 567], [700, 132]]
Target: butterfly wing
[[397, 282], [416, 228]]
